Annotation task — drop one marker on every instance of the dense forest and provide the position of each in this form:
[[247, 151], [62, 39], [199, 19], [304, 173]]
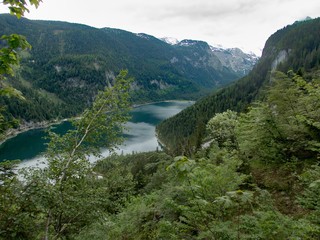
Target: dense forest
[[258, 178], [295, 47]]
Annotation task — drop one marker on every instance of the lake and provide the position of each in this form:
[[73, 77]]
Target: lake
[[140, 137]]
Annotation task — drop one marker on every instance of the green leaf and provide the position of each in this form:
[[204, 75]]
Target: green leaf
[[315, 184], [224, 201]]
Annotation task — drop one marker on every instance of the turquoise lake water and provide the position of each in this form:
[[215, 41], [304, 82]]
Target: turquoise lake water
[[30, 145]]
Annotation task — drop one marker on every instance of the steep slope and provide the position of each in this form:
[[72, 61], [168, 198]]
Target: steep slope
[[69, 63], [295, 47]]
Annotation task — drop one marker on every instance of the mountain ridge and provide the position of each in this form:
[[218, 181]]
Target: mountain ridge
[[71, 62]]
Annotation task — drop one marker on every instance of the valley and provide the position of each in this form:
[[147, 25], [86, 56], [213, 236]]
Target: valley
[[241, 162], [69, 63]]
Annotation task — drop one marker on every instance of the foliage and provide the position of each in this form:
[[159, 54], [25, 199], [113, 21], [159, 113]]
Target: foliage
[[8, 58], [274, 225], [221, 129], [310, 197], [285, 126], [215, 195], [57, 192], [19, 7], [201, 200], [8, 55], [17, 210], [11, 44]]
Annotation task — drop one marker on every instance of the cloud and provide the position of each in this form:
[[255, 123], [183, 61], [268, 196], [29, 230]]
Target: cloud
[[232, 23], [201, 9]]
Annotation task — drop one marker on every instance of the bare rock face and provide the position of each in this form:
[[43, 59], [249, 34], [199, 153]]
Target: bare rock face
[[282, 57], [235, 59]]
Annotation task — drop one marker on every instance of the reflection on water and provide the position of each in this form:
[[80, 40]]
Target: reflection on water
[[29, 146]]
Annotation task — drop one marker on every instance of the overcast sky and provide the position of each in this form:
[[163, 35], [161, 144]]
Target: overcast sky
[[232, 23]]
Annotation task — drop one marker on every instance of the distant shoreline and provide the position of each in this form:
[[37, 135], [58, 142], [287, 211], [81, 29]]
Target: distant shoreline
[[143, 104], [13, 132]]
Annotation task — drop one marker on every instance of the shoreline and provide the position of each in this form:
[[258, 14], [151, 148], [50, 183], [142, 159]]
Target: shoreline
[[27, 126], [143, 104]]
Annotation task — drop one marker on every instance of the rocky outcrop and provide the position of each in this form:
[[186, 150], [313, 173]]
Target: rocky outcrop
[[282, 57]]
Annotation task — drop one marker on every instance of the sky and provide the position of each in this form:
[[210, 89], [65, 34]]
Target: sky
[[246, 24]]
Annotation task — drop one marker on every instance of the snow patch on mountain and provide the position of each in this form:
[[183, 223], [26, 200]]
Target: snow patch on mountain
[[237, 59], [143, 35], [217, 48], [189, 42], [170, 40]]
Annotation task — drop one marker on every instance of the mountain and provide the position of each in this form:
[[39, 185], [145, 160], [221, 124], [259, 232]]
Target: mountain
[[235, 59], [170, 40], [231, 58], [295, 47], [69, 63]]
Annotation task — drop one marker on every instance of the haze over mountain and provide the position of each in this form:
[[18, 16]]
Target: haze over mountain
[[69, 63]]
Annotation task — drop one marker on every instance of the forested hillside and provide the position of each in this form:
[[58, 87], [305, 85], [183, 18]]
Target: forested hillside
[[69, 63], [257, 179], [295, 47], [256, 175]]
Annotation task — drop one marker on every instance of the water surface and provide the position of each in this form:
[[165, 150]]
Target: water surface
[[29, 146]]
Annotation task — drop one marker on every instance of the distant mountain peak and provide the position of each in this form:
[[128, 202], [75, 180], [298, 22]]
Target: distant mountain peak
[[190, 42], [236, 59], [184, 42], [170, 40], [217, 47]]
